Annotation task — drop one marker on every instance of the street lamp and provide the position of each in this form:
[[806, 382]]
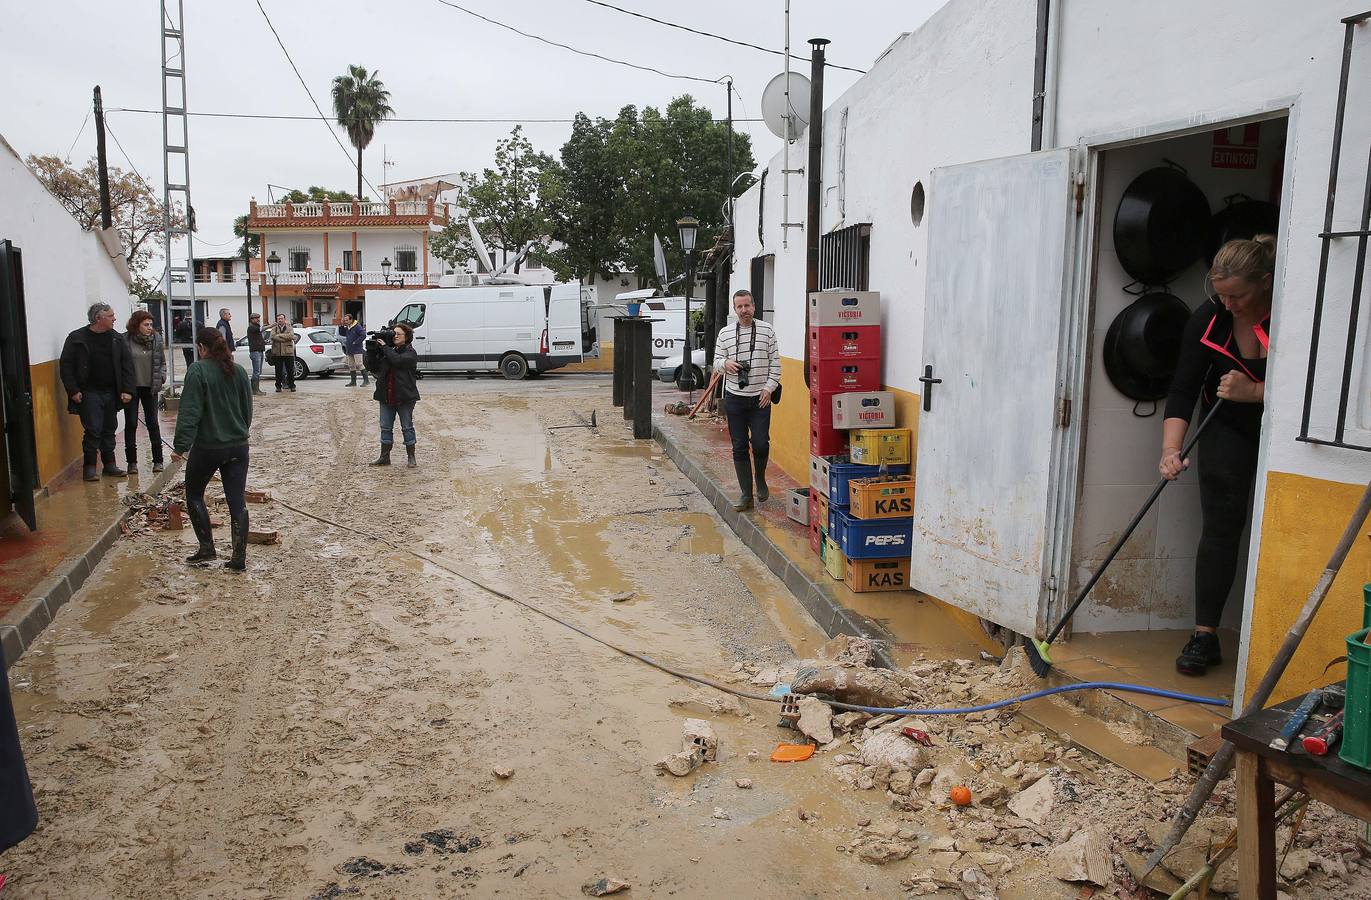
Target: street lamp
[[274, 271], [688, 226], [385, 274]]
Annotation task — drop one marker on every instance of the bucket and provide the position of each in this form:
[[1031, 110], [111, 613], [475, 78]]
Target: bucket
[[1356, 729], [633, 308]]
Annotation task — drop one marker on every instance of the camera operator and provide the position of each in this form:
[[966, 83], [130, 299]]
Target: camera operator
[[747, 353], [391, 358]]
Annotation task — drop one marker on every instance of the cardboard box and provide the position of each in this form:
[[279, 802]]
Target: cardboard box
[[882, 497], [873, 538], [834, 561], [873, 409], [881, 446], [877, 574], [844, 308], [844, 341], [836, 376], [797, 505]]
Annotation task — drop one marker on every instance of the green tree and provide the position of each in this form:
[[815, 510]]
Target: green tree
[[506, 202], [317, 194], [360, 103], [582, 196], [253, 241], [453, 244]]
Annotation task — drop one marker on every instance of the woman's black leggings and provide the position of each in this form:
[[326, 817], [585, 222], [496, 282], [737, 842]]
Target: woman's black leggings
[[1228, 467], [232, 465], [145, 400]]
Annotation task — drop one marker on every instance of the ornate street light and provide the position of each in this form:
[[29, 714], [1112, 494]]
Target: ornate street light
[[385, 274], [274, 272], [688, 226]]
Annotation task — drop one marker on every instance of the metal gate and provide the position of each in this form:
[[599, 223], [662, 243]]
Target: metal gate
[[21, 450]]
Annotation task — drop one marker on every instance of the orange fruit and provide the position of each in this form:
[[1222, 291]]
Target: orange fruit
[[960, 795]]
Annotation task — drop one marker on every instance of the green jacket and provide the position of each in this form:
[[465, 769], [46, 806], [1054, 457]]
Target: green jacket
[[216, 409]]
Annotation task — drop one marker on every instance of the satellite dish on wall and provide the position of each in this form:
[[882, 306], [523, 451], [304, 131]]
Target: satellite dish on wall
[[659, 262], [480, 246], [774, 108]]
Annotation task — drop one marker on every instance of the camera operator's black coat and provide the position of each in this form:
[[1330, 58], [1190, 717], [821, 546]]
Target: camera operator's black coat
[[397, 373]]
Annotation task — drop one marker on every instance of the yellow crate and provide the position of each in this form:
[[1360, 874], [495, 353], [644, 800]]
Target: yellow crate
[[834, 561], [888, 497], [874, 446]]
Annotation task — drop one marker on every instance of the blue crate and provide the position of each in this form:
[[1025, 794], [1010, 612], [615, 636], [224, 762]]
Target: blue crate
[[839, 474], [872, 538]]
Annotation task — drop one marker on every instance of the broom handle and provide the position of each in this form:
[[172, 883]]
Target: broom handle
[[1128, 531]]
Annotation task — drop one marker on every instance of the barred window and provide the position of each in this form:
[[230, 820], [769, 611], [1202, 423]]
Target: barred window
[[845, 259]]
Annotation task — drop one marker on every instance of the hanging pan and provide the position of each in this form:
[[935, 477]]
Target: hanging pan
[[1161, 226], [1241, 217], [1143, 343]]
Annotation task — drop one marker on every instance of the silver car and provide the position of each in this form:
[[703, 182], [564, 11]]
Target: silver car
[[317, 351]]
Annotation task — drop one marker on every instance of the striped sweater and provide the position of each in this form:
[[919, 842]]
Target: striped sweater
[[734, 343]]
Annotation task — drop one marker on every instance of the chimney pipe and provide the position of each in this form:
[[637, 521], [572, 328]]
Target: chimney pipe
[[815, 172]]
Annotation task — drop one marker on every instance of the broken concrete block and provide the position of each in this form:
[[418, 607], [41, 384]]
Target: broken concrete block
[[849, 720], [722, 704], [743, 783], [816, 720], [1083, 858], [680, 764], [700, 734], [603, 887], [902, 782], [894, 750], [859, 685], [502, 772], [882, 850], [1035, 803], [848, 651], [944, 780]]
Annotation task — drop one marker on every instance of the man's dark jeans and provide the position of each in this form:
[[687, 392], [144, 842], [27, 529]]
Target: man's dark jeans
[[100, 419], [748, 424]]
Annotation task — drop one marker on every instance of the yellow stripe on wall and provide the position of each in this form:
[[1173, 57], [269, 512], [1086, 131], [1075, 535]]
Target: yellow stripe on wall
[[57, 433], [1302, 521]]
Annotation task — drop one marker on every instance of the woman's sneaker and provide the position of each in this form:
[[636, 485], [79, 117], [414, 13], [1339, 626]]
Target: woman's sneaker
[[1201, 652]]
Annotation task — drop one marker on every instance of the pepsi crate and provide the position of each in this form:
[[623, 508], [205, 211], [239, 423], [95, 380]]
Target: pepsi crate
[[838, 376], [840, 473], [872, 538], [844, 341]]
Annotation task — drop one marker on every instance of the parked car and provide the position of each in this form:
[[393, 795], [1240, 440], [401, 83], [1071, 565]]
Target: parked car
[[317, 351], [671, 367]]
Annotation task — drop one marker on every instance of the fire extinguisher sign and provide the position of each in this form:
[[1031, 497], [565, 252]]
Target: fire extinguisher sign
[[1236, 147]]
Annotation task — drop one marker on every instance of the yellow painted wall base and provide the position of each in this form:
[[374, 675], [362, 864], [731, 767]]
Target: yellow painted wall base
[[1303, 519], [605, 362], [790, 421], [56, 432]]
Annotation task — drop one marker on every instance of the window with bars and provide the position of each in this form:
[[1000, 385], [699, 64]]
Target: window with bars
[[299, 259], [845, 259], [406, 259], [352, 260]]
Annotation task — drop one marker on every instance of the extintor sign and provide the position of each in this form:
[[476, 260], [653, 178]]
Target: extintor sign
[[1236, 147]]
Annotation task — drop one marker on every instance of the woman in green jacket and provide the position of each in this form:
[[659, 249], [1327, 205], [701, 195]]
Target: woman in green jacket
[[212, 426]]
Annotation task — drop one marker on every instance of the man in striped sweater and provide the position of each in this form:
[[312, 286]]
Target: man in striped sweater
[[747, 354]]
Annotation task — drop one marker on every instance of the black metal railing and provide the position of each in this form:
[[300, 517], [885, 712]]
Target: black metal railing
[[845, 259]]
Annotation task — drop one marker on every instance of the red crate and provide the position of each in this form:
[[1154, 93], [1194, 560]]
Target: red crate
[[815, 537], [825, 440], [837, 376], [813, 505], [844, 342], [821, 409]]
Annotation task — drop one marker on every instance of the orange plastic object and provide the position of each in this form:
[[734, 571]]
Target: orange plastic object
[[960, 795], [792, 752]]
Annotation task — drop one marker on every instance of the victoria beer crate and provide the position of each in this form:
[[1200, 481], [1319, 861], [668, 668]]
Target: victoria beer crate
[[880, 446], [877, 574], [844, 341], [872, 538], [834, 561], [844, 308], [825, 440], [888, 497], [836, 376], [875, 409], [839, 473], [797, 505]]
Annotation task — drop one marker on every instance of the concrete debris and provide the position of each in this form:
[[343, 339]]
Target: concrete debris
[[807, 815], [848, 651], [892, 749], [700, 734], [680, 764], [721, 813], [901, 782], [603, 887], [1036, 803], [816, 720], [1296, 864], [944, 780], [1083, 858], [860, 686], [753, 756], [849, 721], [743, 783], [766, 677], [715, 704], [502, 772], [623, 597], [881, 851]]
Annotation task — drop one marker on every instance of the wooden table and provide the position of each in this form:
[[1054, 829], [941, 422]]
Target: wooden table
[[1259, 768]]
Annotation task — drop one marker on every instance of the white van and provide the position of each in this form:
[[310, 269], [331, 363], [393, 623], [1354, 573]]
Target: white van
[[511, 328]]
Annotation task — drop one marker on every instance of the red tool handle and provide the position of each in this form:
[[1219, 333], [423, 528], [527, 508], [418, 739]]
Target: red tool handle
[[1323, 740]]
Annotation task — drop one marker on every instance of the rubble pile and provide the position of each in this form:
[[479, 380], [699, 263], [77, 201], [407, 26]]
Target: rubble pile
[[151, 512]]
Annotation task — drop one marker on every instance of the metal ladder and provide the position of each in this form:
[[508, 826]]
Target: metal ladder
[[176, 174]]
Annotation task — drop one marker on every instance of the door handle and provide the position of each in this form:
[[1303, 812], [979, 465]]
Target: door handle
[[928, 381]]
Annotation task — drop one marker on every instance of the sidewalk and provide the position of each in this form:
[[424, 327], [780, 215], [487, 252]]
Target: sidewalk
[[909, 622]]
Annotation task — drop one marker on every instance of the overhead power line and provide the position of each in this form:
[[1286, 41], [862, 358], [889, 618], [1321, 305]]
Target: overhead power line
[[124, 153], [449, 120], [717, 37], [608, 59], [80, 132]]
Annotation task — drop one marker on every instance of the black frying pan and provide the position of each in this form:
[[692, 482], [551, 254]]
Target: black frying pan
[[1143, 344], [1162, 225], [1241, 217]]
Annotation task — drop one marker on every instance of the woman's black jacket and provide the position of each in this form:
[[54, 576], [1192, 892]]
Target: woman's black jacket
[[397, 373]]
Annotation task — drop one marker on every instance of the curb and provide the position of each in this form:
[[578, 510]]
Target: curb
[[25, 621], [817, 598]]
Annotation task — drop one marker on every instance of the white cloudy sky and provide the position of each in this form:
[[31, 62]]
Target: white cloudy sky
[[436, 61]]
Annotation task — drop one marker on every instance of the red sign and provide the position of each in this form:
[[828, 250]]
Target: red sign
[[1236, 147]]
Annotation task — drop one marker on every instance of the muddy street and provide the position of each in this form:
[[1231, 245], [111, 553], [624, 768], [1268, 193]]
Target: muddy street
[[328, 724]]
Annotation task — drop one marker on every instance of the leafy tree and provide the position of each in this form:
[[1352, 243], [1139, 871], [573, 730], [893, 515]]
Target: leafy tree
[[317, 194], [253, 241], [453, 244], [135, 210], [582, 196], [506, 202], [360, 103]]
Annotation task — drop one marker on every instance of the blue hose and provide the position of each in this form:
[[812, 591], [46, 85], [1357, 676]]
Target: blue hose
[[1047, 692]]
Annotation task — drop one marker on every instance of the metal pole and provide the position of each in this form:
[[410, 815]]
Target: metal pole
[[106, 214], [642, 380], [815, 173], [275, 303], [685, 377], [630, 366], [729, 183], [620, 355]]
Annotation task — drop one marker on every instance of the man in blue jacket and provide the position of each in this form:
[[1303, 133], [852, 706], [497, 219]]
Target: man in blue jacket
[[354, 338]]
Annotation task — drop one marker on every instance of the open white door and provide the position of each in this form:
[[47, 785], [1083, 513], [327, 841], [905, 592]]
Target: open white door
[[1000, 252]]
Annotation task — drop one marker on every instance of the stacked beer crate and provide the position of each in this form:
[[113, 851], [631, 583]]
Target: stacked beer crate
[[860, 495]]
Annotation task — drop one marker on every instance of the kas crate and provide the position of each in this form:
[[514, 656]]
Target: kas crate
[[878, 446], [839, 473], [797, 505], [877, 574], [1356, 728], [836, 376], [882, 497], [872, 538], [875, 409], [834, 561], [818, 473], [844, 341], [844, 308], [824, 440]]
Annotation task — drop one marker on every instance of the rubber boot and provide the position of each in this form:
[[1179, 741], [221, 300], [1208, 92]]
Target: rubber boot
[[132, 466], [88, 472], [384, 458], [353, 382], [744, 470], [762, 491], [410, 462], [199, 523], [257, 386], [366, 377], [238, 528], [110, 468]]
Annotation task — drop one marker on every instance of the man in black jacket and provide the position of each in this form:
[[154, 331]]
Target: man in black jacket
[[97, 372]]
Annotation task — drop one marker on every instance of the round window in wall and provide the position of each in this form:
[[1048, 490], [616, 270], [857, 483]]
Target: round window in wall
[[916, 203]]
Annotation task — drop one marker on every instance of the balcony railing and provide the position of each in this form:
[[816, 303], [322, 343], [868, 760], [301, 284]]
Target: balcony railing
[[344, 276], [276, 214]]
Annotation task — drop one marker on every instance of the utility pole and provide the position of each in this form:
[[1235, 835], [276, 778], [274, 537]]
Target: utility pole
[[106, 215]]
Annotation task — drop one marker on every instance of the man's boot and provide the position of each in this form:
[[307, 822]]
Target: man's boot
[[204, 533], [762, 492], [88, 472], [384, 458], [238, 528], [366, 377], [110, 468], [353, 382], [410, 462], [743, 468]]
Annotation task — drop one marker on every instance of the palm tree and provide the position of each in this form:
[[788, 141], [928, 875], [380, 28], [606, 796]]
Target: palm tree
[[360, 102]]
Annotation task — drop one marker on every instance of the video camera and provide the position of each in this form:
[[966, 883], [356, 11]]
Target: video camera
[[383, 338]]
